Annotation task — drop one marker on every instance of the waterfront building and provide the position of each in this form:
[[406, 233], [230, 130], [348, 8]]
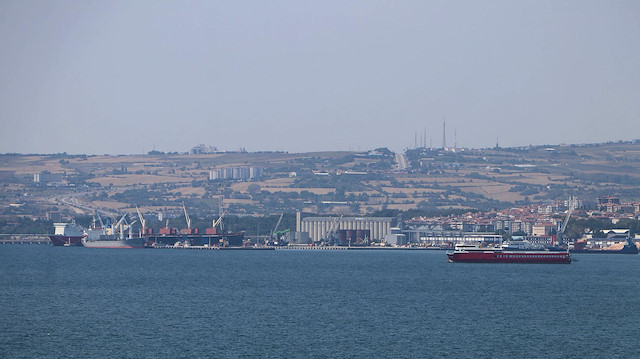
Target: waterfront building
[[437, 237], [353, 229]]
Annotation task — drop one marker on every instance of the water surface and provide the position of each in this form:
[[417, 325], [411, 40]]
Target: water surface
[[82, 302]]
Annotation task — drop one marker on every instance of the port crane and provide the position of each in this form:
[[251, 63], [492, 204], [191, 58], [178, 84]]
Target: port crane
[[274, 233], [129, 227], [573, 204], [186, 216], [329, 237], [218, 221], [119, 222], [143, 222], [99, 219], [121, 226], [277, 234], [275, 229]]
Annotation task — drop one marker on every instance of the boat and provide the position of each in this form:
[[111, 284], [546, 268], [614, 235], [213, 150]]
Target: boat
[[115, 243], [477, 254], [67, 234], [621, 248], [113, 236], [525, 245], [101, 238], [521, 245]]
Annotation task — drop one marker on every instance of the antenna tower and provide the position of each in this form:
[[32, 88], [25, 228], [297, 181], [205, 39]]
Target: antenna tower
[[444, 135], [455, 138], [425, 138]]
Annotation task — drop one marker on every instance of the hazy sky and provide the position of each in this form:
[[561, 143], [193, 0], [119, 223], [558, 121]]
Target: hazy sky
[[124, 77]]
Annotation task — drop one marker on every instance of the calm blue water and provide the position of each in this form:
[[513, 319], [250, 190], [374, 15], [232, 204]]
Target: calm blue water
[[91, 303]]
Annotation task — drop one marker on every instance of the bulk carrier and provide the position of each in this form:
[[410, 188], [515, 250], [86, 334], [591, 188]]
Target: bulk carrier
[[627, 247], [113, 236]]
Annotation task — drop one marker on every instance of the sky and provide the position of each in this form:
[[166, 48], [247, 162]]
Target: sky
[[128, 77]]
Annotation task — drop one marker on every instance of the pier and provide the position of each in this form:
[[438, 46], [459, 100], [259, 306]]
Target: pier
[[24, 239], [345, 248], [299, 247], [215, 248]]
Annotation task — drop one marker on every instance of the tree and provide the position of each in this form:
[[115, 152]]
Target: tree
[[383, 150], [253, 188]]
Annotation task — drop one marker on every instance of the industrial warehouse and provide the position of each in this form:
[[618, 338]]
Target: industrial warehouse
[[350, 231], [342, 230]]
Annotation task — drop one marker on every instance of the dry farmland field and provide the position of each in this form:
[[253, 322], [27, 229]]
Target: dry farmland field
[[354, 183]]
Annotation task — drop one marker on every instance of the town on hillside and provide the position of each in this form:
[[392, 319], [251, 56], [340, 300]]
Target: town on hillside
[[426, 192]]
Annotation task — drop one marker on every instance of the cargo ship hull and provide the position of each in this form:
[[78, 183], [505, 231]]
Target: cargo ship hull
[[121, 243], [510, 257], [60, 240], [67, 234], [625, 250], [629, 248]]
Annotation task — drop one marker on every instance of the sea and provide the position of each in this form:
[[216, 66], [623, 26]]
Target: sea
[[74, 302]]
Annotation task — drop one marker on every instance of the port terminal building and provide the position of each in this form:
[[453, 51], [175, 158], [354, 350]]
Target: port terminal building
[[447, 238], [361, 230]]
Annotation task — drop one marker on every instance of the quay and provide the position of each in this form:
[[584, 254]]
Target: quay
[[24, 239], [215, 248], [311, 248], [36, 241], [343, 248]]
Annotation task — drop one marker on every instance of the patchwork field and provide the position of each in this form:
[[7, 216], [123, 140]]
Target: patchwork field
[[351, 183]]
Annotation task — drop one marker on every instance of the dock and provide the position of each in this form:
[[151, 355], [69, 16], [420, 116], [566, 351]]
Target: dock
[[345, 248], [216, 248], [24, 239], [305, 248]]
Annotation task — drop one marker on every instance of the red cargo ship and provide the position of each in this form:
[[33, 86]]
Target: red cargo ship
[[476, 254]]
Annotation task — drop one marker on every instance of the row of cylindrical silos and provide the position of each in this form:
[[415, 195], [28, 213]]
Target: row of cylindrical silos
[[319, 227]]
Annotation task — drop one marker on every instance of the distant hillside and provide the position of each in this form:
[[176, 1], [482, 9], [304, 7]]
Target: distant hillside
[[354, 183]]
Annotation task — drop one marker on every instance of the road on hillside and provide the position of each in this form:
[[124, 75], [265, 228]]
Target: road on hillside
[[401, 162]]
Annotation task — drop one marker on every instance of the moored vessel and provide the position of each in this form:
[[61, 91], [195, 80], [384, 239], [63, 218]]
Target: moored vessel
[[114, 243], [67, 235], [113, 236], [477, 254], [625, 246]]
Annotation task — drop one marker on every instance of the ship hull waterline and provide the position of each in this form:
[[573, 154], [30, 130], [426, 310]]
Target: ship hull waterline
[[510, 257], [66, 241]]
